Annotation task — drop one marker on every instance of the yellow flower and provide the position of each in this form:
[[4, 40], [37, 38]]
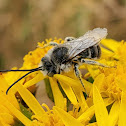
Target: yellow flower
[[70, 85], [56, 116], [32, 59], [110, 84], [108, 90], [7, 102]]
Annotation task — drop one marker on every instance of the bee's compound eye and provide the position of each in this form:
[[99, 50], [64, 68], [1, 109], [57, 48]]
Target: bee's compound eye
[[44, 59]]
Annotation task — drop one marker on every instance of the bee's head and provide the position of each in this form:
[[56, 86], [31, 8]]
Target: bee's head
[[48, 67]]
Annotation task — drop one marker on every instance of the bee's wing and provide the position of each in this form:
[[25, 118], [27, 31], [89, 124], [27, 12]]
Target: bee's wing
[[89, 39]]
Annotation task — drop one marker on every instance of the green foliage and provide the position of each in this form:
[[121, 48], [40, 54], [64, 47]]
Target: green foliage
[[48, 89], [25, 111]]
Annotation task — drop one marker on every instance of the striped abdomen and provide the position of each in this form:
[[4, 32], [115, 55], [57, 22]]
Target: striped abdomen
[[92, 52]]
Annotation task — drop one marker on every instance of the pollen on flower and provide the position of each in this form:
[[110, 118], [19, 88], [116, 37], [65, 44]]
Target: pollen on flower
[[108, 85], [54, 120], [110, 89]]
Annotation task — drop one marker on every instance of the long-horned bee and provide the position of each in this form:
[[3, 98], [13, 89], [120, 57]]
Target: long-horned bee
[[72, 53]]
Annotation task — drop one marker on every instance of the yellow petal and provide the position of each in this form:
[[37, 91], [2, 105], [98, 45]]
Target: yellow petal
[[100, 108], [60, 101], [67, 119], [15, 112], [2, 123], [11, 97], [122, 84], [86, 116], [92, 124], [76, 86], [34, 80], [3, 109], [98, 82], [81, 99], [111, 44], [31, 101], [108, 101], [106, 52], [69, 92], [114, 114], [11, 77], [93, 72], [89, 101], [67, 80], [87, 85], [122, 112], [7, 118], [74, 83]]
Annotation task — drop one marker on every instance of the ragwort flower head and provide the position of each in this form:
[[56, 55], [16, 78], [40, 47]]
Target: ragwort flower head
[[113, 56], [111, 81], [70, 85], [108, 89]]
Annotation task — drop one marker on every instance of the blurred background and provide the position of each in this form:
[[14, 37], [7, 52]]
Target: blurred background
[[23, 23]]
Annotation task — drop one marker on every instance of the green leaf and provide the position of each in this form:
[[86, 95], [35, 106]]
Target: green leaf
[[25, 111], [90, 79], [48, 89], [18, 123]]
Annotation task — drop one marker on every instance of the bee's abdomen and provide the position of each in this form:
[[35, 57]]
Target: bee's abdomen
[[91, 52], [95, 51]]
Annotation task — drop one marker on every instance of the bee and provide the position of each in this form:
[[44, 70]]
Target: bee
[[72, 53]]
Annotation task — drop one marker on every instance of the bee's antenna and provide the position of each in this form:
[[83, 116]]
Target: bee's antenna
[[31, 70], [17, 81], [35, 69]]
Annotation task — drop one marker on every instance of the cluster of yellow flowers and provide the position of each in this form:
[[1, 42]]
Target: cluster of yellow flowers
[[104, 106]]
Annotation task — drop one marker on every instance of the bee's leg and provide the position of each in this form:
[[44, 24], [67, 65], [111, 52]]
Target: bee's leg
[[50, 44], [67, 39], [93, 62], [78, 75]]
